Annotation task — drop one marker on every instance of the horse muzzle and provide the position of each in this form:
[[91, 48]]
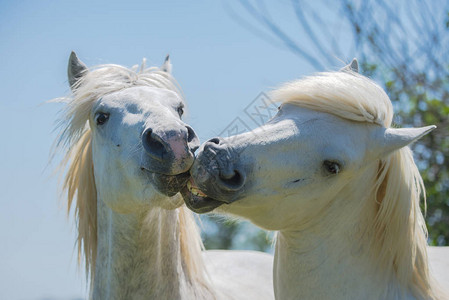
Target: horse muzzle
[[169, 156], [217, 178], [171, 150]]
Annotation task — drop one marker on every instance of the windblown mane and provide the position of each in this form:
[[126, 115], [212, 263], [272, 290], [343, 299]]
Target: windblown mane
[[399, 232], [79, 181]]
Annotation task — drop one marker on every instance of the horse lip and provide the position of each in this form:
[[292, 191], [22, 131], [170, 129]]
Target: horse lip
[[184, 175], [215, 192], [208, 198], [167, 184], [199, 204], [171, 167], [187, 173]]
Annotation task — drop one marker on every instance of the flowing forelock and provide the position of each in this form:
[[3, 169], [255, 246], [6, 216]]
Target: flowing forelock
[[348, 95]]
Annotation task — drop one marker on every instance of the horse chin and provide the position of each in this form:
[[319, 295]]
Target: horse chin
[[197, 201], [169, 185]]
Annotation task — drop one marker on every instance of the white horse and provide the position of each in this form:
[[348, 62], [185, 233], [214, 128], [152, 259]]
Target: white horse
[[128, 155], [338, 183]]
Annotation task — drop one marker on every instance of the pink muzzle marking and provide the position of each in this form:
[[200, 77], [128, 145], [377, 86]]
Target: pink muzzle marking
[[178, 145]]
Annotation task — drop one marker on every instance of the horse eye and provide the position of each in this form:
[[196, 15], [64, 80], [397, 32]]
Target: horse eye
[[180, 111], [332, 167], [101, 118]]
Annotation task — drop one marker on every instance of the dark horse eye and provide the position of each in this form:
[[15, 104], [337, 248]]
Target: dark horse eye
[[332, 167], [101, 118], [180, 111]]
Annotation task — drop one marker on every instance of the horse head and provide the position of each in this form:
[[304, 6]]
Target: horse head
[[133, 127], [288, 170]]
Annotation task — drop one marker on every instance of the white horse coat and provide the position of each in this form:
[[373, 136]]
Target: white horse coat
[[128, 155], [338, 183]]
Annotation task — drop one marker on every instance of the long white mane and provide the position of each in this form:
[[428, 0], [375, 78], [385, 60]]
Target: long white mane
[[79, 181], [398, 231]]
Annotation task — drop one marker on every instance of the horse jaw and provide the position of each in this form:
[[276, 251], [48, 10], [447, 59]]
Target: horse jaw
[[198, 201]]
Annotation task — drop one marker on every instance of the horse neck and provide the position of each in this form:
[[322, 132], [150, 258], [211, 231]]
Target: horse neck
[[139, 256], [330, 257]]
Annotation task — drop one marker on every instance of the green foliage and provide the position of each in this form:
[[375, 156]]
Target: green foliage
[[223, 233]]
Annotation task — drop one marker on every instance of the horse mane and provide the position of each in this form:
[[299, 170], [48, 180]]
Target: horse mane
[[191, 249], [398, 231], [79, 181]]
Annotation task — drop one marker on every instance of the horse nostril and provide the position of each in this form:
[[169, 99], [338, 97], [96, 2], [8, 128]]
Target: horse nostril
[[234, 181], [154, 145], [212, 144], [192, 140], [190, 134], [215, 141]]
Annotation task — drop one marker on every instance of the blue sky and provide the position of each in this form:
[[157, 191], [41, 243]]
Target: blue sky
[[220, 66]]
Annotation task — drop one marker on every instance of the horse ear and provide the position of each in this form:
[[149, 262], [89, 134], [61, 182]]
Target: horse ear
[[352, 67], [166, 66], [75, 70], [387, 140]]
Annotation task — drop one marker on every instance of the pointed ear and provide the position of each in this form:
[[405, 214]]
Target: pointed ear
[[166, 66], [75, 70], [387, 140], [352, 67]]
